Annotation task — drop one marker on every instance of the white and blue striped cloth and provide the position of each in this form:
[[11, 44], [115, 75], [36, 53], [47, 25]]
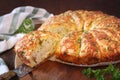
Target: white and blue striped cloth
[[9, 23], [3, 67]]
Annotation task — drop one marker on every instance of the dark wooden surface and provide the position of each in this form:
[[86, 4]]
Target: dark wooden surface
[[54, 70]]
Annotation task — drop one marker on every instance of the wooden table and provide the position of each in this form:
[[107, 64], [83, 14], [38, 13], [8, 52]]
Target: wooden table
[[53, 70]]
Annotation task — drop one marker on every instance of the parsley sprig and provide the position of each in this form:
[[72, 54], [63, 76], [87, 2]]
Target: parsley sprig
[[99, 73], [26, 27]]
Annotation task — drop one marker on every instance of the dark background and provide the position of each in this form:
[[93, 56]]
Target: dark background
[[111, 7], [57, 6]]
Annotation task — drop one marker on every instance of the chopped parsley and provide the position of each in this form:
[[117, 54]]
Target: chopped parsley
[[79, 40], [23, 52]]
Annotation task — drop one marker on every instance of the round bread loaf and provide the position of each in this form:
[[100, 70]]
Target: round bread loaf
[[80, 37], [87, 37]]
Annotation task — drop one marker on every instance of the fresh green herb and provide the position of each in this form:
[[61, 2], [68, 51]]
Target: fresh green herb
[[26, 27], [99, 73], [79, 40], [85, 31], [23, 52]]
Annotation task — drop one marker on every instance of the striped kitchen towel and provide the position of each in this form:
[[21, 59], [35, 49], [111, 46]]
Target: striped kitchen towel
[[21, 18]]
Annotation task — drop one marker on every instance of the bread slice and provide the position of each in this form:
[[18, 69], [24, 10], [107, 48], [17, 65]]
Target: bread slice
[[36, 46]]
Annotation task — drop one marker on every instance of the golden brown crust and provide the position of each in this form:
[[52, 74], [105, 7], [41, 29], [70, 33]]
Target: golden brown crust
[[86, 37], [36, 46], [98, 35], [70, 47], [93, 47]]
